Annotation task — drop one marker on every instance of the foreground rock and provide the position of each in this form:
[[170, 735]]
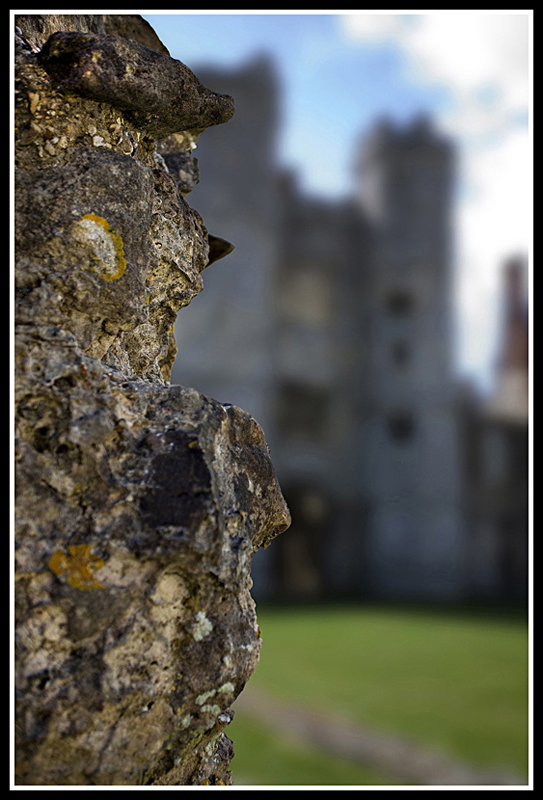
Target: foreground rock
[[139, 504]]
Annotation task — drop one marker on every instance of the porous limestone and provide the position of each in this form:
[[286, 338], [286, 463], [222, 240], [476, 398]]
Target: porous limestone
[[139, 504]]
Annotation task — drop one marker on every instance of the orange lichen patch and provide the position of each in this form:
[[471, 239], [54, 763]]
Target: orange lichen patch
[[119, 267], [78, 566]]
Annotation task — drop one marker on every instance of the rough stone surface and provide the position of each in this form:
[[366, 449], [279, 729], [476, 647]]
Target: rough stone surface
[[138, 504], [156, 92]]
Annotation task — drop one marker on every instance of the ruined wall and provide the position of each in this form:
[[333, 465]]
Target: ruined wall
[[138, 504]]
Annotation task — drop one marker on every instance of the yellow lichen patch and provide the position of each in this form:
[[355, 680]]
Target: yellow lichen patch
[[215, 780], [105, 244], [149, 293], [77, 567]]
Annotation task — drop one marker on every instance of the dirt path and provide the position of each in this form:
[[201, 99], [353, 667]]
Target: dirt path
[[403, 759]]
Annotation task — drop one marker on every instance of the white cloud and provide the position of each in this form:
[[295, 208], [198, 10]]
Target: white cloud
[[371, 27], [464, 50], [483, 60], [493, 221]]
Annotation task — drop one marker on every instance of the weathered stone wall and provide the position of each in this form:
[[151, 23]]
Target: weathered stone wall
[[138, 504]]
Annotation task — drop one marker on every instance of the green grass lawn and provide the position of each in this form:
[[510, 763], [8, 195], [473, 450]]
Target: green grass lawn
[[455, 682]]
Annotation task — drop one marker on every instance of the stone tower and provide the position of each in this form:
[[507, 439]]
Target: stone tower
[[408, 456], [224, 341]]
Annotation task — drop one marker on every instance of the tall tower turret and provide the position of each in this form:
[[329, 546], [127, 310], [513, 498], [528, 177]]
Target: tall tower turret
[[224, 340], [409, 464]]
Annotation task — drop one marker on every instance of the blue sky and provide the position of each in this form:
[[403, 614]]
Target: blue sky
[[339, 72], [329, 83]]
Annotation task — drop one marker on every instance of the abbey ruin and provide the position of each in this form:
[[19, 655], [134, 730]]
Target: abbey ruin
[[332, 322]]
